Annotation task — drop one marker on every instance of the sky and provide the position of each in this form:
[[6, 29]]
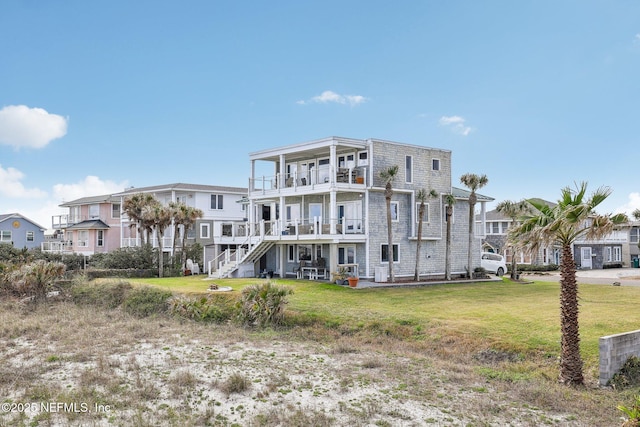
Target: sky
[[96, 96]]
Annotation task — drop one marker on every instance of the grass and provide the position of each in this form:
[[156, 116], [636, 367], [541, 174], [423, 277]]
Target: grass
[[507, 316], [453, 354]]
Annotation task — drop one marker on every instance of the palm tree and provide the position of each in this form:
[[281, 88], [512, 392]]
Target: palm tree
[[449, 201], [574, 217], [473, 182], [159, 218], [186, 216], [514, 210], [134, 206], [388, 176], [422, 197]]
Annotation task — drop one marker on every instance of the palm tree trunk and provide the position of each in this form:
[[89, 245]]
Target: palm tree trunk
[[472, 208], [416, 275], [570, 361], [447, 254]]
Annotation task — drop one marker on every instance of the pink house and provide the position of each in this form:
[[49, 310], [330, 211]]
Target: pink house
[[91, 226]]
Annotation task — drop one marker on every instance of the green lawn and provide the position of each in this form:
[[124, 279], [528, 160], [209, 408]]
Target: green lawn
[[509, 316]]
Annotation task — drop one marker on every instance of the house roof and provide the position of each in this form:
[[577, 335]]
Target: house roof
[[318, 147], [105, 198], [459, 193], [5, 217], [90, 224], [494, 215], [183, 187]]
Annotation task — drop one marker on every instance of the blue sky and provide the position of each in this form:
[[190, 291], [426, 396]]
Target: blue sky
[[96, 96]]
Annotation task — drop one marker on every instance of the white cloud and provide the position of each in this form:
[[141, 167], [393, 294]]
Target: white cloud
[[330, 96], [456, 124], [631, 205], [11, 185], [48, 205], [21, 126], [90, 186], [636, 39]]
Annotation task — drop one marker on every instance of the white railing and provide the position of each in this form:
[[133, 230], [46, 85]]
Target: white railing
[[56, 246], [310, 178]]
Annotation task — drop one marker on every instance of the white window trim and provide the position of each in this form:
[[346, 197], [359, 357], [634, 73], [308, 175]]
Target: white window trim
[[439, 164], [98, 244], [217, 203], [617, 254], [206, 226], [387, 262], [32, 234], [397, 219], [426, 213], [408, 180], [3, 238]]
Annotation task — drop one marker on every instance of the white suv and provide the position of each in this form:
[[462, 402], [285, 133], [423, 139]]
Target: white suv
[[493, 263]]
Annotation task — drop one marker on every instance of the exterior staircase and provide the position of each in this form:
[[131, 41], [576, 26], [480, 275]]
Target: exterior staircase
[[233, 260]]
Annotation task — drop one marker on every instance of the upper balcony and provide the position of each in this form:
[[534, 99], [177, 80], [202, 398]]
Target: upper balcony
[[315, 180], [312, 167]]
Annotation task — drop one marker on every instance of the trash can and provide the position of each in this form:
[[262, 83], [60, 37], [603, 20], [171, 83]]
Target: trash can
[[381, 274], [636, 262]]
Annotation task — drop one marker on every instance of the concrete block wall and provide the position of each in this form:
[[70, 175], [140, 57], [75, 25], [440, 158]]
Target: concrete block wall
[[614, 352]]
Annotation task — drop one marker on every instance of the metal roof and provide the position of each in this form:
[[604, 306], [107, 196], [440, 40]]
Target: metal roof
[[104, 198], [183, 187], [4, 217], [90, 224], [459, 193]]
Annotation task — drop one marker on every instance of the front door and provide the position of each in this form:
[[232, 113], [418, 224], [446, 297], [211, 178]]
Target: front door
[[586, 257]]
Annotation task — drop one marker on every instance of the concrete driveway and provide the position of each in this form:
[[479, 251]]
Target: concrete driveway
[[609, 276]]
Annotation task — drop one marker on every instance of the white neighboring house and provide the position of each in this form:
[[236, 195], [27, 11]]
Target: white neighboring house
[[220, 228]]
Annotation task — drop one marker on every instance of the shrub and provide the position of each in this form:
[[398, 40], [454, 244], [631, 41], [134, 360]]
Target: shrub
[[73, 262], [213, 308], [263, 304], [146, 301], [123, 273], [36, 278], [107, 295], [236, 383], [537, 267], [628, 375], [123, 258]]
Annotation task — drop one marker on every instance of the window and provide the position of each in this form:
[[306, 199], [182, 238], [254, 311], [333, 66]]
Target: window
[[315, 211], [395, 209], [346, 254], [100, 238], [94, 211], [384, 254], [205, 231], [495, 228], [634, 236], [31, 236], [83, 238], [435, 164], [363, 158], [408, 167], [608, 254], [304, 252], [505, 227], [425, 218], [292, 214], [115, 210], [617, 254], [291, 252], [216, 201], [5, 236]]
